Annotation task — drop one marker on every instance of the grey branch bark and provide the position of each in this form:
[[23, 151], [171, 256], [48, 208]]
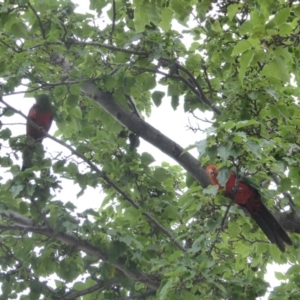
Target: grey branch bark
[[79, 244], [135, 124], [142, 128], [289, 220]]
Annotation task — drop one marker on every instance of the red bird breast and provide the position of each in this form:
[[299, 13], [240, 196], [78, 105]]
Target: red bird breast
[[41, 114], [42, 119], [242, 193], [248, 196]]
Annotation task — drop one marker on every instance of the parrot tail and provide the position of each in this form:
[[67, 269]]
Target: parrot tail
[[267, 222], [27, 158]]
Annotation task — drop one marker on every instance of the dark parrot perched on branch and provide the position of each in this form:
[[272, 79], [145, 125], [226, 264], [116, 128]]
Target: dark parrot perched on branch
[[245, 193], [41, 114]]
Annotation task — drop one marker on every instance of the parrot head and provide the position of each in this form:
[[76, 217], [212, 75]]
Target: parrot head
[[212, 171], [43, 103]]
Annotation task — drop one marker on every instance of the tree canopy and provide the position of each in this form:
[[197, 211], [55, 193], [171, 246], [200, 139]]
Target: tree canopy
[[161, 232]]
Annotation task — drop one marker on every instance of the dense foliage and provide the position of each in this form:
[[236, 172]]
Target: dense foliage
[[158, 232]]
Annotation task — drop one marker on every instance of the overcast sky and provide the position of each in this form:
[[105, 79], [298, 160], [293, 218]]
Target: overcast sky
[[171, 123]]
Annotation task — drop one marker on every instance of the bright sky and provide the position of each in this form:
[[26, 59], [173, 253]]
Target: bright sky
[[171, 123]]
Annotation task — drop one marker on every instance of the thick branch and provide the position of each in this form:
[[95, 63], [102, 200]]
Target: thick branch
[[289, 220], [79, 244], [285, 194], [146, 131], [103, 175], [97, 287], [137, 125], [110, 47]]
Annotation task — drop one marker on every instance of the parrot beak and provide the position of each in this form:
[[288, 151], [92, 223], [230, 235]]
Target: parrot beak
[[213, 172]]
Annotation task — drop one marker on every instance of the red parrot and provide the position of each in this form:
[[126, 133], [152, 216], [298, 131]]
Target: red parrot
[[41, 114], [244, 193]]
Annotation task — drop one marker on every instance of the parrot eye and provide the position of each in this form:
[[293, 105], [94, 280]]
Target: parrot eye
[[212, 173]]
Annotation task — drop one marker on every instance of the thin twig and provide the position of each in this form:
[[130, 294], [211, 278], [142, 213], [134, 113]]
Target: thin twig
[[97, 287], [201, 93], [113, 22], [202, 120], [33, 202], [10, 124], [208, 82], [184, 80], [285, 194], [88, 248], [39, 20], [139, 296], [220, 228], [110, 47], [101, 174]]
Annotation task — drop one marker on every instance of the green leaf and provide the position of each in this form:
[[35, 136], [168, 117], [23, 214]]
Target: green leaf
[[245, 62], [16, 189], [116, 250], [241, 47], [229, 125], [5, 161], [224, 151], [293, 270], [147, 159], [153, 12], [277, 69], [160, 174], [280, 276], [245, 123], [171, 212], [220, 287], [232, 10], [23, 208], [223, 176], [5, 134], [272, 93], [216, 26], [281, 16], [19, 30], [72, 100], [246, 27], [165, 289], [188, 148], [140, 18], [201, 147], [285, 29], [175, 102], [76, 112], [198, 244], [7, 112], [285, 184], [254, 148], [211, 190], [166, 18], [157, 97]]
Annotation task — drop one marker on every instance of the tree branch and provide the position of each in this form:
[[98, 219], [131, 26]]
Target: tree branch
[[289, 220], [102, 175], [110, 47], [39, 20], [80, 245], [139, 296], [113, 22], [97, 287], [285, 194], [199, 90], [137, 125]]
